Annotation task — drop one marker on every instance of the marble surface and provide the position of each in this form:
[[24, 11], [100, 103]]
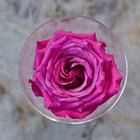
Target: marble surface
[[18, 120]]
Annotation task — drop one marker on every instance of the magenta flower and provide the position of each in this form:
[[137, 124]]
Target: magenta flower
[[73, 74]]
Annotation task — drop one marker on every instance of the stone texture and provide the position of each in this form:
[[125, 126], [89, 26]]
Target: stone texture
[[18, 121]]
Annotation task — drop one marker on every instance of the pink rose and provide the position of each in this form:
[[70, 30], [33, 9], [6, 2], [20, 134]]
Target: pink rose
[[73, 74]]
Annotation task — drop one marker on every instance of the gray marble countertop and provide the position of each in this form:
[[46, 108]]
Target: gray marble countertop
[[18, 120]]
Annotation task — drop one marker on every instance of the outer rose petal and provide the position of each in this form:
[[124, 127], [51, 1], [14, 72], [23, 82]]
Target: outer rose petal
[[72, 113], [39, 53], [60, 33], [115, 80], [35, 89]]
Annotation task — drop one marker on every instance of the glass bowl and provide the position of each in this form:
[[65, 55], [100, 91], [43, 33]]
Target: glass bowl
[[76, 25]]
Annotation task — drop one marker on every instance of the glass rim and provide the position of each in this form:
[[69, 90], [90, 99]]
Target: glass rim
[[79, 121]]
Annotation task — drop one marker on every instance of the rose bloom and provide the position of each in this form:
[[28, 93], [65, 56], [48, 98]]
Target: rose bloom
[[73, 74]]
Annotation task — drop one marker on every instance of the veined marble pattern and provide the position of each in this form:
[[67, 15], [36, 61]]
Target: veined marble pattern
[[18, 120]]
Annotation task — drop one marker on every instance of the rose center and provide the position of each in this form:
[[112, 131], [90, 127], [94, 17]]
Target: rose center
[[72, 75]]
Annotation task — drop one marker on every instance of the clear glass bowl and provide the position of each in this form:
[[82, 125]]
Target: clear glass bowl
[[76, 25]]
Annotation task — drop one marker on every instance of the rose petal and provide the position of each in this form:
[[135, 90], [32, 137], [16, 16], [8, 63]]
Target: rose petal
[[35, 88], [115, 79], [72, 114], [60, 33], [39, 53]]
